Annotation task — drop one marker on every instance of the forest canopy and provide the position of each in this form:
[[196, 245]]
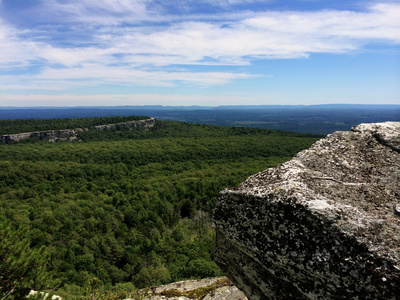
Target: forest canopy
[[30, 125], [130, 205]]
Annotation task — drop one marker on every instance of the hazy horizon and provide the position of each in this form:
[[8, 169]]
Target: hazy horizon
[[353, 105]]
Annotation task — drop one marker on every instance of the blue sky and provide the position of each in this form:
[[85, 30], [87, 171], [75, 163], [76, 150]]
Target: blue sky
[[203, 52]]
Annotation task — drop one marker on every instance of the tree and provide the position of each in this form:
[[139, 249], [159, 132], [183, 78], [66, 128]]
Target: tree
[[152, 276], [201, 268], [21, 268]]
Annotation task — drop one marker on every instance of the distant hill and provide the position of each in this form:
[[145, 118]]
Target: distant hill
[[316, 119]]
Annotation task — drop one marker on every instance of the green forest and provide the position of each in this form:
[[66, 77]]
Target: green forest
[[30, 125], [122, 209]]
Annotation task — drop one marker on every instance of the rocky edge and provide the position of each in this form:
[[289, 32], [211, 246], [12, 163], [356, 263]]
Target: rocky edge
[[218, 288], [325, 225], [72, 134]]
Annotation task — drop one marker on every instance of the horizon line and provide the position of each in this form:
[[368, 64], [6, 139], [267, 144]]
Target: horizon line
[[208, 106]]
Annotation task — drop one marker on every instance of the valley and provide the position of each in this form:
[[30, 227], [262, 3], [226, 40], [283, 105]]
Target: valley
[[130, 207]]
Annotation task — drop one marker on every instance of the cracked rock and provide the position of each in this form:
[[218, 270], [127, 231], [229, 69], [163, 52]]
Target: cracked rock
[[323, 225]]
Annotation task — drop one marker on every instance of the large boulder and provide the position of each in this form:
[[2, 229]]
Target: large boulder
[[324, 225]]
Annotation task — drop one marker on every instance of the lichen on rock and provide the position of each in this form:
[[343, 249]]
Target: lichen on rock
[[216, 288], [323, 225]]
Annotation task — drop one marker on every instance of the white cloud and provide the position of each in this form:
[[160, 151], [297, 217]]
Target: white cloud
[[93, 75], [268, 35], [102, 12], [227, 3], [134, 54], [12, 48], [132, 11], [71, 57]]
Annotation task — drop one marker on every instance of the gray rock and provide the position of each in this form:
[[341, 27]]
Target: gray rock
[[217, 288], [50, 135], [70, 134], [226, 293], [148, 123], [323, 225]]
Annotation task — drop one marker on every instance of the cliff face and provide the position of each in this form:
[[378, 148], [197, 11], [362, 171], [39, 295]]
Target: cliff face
[[141, 123], [50, 135], [325, 225], [71, 134]]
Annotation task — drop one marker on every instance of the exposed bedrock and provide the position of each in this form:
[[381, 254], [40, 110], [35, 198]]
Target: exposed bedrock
[[147, 123], [50, 135], [72, 134], [324, 225]]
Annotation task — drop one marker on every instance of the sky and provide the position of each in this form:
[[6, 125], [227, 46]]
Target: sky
[[198, 52]]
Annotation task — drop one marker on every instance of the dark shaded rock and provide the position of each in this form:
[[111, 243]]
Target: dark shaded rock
[[324, 225]]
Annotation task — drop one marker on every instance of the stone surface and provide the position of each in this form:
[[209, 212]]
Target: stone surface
[[218, 288], [71, 134], [324, 225], [226, 293], [148, 123], [50, 135]]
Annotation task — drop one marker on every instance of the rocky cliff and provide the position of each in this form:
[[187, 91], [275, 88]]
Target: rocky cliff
[[324, 225], [148, 123], [50, 135], [72, 134], [218, 288]]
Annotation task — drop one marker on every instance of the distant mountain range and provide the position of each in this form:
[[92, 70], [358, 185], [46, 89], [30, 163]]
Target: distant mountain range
[[317, 119]]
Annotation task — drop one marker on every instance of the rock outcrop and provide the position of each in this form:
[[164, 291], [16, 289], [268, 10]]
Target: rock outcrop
[[148, 123], [72, 134], [324, 225], [50, 135], [218, 288]]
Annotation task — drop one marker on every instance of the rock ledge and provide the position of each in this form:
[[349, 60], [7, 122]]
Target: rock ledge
[[72, 134], [324, 225], [217, 288]]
